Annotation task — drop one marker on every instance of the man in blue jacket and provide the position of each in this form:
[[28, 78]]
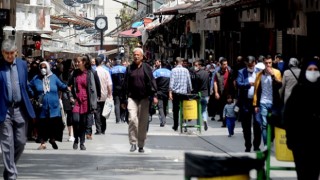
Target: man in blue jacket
[[16, 108]]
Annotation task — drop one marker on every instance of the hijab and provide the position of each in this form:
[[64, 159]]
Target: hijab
[[46, 80]]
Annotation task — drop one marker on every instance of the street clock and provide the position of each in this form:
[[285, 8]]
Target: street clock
[[101, 23]]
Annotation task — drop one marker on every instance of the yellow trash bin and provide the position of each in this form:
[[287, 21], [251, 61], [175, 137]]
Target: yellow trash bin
[[282, 152], [234, 177], [190, 109]]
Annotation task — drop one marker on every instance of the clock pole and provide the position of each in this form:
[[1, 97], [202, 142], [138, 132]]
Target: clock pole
[[101, 40], [101, 24]]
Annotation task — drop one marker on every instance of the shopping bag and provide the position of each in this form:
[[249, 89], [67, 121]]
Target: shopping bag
[[63, 114], [107, 108]]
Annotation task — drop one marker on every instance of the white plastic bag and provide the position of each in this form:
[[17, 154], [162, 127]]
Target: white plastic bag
[[108, 108]]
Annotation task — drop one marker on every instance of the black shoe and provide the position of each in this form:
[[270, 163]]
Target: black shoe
[[205, 125], [174, 128], [75, 146], [256, 149], [103, 133], [141, 150], [53, 144], [223, 126], [220, 120], [97, 133], [82, 147], [133, 148], [213, 119], [247, 150]]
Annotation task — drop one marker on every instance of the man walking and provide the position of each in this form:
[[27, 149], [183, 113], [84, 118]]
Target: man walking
[[162, 76], [106, 92], [118, 72], [180, 84], [16, 108], [266, 97], [245, 83], [203, 85], [139, 86]]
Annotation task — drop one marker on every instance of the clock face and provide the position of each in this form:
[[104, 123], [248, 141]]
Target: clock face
[[101, 23]]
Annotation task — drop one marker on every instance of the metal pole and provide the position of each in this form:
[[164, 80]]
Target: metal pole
[[101, 40]]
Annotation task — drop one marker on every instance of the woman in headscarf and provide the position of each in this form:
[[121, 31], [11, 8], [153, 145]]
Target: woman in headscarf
[[45, 87], [302, 121], [290, 78]]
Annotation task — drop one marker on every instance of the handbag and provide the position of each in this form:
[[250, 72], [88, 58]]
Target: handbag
[[107, 108]]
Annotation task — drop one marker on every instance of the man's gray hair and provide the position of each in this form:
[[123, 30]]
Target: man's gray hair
[[138, 49], [9, 45]]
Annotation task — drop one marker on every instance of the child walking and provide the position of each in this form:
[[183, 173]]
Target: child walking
[[230, 115]]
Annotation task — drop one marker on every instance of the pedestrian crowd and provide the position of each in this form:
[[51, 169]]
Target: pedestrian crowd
[[43, 97]]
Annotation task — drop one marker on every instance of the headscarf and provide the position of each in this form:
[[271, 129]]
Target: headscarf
[[46, 80], [293, 62]]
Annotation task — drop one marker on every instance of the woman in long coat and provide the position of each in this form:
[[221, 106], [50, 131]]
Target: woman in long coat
[[45, 87]]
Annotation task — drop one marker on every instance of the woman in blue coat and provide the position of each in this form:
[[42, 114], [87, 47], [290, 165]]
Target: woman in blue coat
[[45, 88]]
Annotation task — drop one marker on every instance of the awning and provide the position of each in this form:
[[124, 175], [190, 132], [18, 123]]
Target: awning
[[57, 19], [113, 51], [137, 24], [130, 33], [172, 10], [196, 7]]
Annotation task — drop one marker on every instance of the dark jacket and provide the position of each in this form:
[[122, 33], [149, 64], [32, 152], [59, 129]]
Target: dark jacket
[[94, 88], [150, 82]]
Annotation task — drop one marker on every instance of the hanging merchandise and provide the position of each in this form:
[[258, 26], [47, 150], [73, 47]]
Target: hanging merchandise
[[37, 45]]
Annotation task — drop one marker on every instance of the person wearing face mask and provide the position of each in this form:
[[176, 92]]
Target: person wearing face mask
[[245, 83], [46, 87], [203, 85], [302, 121]]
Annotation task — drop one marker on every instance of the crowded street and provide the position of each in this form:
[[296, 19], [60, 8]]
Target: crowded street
[[108, 156]]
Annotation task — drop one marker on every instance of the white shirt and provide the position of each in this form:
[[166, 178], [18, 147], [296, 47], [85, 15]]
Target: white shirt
[[251, 77], [266, 87], [105, 81]]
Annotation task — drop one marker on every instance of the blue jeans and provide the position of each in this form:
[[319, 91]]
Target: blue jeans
[[230, 121], [204, 103], [264, 110]]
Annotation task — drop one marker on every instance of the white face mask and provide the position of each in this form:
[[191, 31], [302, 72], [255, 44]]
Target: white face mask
[[312, 76], [43, 71], [196, 68]]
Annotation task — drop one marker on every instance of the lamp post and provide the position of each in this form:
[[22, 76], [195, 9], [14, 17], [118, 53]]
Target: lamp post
[[119, 44]]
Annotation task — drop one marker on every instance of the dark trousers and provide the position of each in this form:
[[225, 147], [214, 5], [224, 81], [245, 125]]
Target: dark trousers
[[100, 121], [50, 128], [177, 98], [80, 126], [162, 108], [248, 120], [221, 103], [119, 112]]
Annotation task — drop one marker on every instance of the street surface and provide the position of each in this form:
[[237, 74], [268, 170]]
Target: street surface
[[108, 157]]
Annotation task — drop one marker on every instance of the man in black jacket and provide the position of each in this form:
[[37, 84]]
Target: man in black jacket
[[138, 87]]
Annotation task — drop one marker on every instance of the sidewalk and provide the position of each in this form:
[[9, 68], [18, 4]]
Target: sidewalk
[[108, 157]]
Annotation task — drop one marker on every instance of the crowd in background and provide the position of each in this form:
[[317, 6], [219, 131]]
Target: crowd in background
[[254, 91]]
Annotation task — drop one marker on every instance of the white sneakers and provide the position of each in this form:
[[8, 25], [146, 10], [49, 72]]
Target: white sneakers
[[71, 139]]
